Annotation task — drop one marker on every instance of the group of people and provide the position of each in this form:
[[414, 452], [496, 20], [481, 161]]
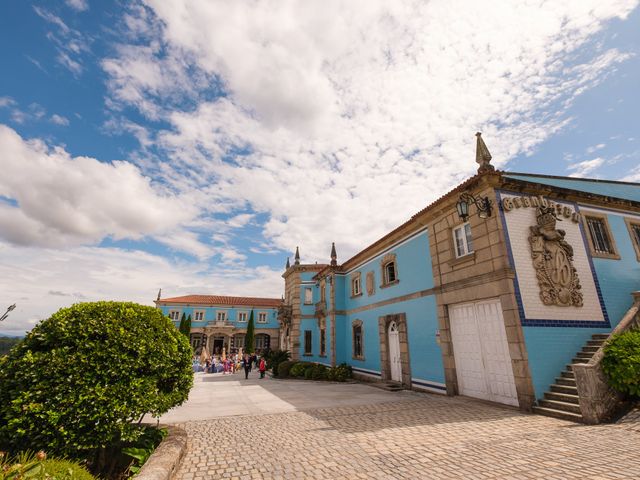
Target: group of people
[[230, 364]]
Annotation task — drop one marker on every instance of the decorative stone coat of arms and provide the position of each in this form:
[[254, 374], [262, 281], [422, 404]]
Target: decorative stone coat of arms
[[553, 261]]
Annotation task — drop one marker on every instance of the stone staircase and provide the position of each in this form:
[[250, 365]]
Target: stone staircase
[[389, 386], [561, 401]]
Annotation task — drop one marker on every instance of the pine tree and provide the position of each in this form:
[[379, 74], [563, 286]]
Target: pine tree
[[187, 327], [250, 337], [183, 320]]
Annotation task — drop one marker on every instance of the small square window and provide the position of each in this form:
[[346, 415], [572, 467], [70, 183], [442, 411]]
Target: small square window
[[242, 317], [463, 240], [198, 315], [221, 316], [174, 315], [262, 317]]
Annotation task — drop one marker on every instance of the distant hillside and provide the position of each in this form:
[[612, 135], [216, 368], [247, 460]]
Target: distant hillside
[[6, 343]]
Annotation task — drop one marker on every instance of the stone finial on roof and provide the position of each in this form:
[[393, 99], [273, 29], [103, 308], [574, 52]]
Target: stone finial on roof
[[483, 157], [287, 265], [159, 294], [334, 255], [297, 257]]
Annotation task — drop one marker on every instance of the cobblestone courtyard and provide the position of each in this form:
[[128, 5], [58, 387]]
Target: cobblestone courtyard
[[410, 436]]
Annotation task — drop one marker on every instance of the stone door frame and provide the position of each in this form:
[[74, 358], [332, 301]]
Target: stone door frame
[[385, 362]]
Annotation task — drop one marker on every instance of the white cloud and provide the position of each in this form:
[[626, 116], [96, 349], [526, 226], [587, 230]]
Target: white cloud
[[78, 5], [348, 116], [583, 169], [595, 148], [43, 280], [64, 200], [6, 102], [59, 120], [70, 44]]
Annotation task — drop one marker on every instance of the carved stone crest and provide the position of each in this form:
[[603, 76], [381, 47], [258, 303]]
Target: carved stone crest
[[371, 287], [553, 261]]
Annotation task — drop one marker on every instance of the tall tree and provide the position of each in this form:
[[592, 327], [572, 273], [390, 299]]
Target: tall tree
[[187, 327], [183, 320], [250, 337]]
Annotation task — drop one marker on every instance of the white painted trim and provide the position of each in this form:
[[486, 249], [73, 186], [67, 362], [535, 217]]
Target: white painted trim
[[413, 379], [361, 370]]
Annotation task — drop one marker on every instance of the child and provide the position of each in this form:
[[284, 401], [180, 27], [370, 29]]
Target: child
[[263, 367]]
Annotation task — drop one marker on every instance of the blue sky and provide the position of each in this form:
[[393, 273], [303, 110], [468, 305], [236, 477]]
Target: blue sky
[[193, 145]]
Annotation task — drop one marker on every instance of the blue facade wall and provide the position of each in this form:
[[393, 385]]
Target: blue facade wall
[[551, 348], [210, 315]]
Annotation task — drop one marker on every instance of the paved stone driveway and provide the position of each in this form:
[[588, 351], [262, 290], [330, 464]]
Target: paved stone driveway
[[415, 436]]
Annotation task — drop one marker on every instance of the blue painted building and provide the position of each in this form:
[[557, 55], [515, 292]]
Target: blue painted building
[[490, 291], [219, 322]]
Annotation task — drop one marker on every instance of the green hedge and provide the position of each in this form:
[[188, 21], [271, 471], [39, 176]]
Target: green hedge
[[284, 368], [621, 362], [81, 379], [315, 371]]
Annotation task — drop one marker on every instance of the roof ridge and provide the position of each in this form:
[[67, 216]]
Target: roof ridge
[[560, 177]]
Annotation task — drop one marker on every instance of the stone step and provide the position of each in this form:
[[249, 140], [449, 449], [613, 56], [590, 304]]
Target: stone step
[[569, 382], [600, 336], [572, 390], [551, 412], [595, 343], [580, 360], [567, 374], [585, 355], [558, 405], [562, 397], [590, 349], [569, 367]]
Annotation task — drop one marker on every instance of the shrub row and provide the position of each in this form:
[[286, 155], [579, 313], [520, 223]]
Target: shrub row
[[314, 371]]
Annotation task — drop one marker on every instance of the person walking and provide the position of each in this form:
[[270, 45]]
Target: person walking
[[263, 367], [247, 366]]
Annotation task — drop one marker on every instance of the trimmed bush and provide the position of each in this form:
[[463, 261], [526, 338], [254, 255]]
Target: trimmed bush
[[339, 373], [621, 362], [275, 358], [284, 368], [65, 470], [298, 369], [318, 372], [80, 379]]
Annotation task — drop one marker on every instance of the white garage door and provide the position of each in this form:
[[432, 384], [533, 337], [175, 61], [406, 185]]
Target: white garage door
[[481, 352]]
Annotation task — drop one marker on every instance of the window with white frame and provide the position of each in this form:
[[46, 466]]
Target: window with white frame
[[356, 284], [198, 315], [262, 317], [242, 316], [308, 295], [462, 240], [174, 314], [221, 316], [356, 329], [239, 341]]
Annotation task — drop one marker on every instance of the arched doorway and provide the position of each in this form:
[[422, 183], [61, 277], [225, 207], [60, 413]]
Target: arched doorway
[[394, 352]]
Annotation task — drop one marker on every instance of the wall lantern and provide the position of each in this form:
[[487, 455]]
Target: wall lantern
[[6, 314], [483, 205]]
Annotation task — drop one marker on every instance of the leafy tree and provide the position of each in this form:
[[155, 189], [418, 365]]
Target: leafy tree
[[250, 337], [80, 380]]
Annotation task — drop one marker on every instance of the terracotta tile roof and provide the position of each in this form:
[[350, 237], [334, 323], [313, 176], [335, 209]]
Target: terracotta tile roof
[[223, 300]]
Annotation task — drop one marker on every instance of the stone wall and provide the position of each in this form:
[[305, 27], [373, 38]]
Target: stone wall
[[484, 274]]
